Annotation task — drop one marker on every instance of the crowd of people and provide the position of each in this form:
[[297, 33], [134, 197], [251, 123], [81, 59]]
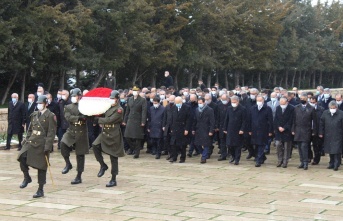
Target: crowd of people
[[191, 122]]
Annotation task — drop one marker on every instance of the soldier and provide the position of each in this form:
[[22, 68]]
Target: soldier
[[110, 141], [135, 120], [39, 140], [77, 134]]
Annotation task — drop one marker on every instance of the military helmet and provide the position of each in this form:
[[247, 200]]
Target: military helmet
[[42, 99], [114, 94], [75, 92]]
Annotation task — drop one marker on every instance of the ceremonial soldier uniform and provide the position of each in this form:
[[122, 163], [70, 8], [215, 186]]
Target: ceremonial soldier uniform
[[39, 140], [135, 119], [77, 134], [110, 141]]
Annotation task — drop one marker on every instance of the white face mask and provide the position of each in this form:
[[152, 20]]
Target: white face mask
[[113, 101], [259, 103], [39, 93], [185, 93], [151, 100], [156, 105], [326, 96], [234, 104], [40, 107], [64, 97], [339, 102], [49, 101], [213, 92], [110, 75], [29, 100], [59, 96], [135, 93], [313, 105], [162, 97], [332, 111], [224, 102], [183, 101], [252, 97], [283, 106], [73, 100], [273, 99]]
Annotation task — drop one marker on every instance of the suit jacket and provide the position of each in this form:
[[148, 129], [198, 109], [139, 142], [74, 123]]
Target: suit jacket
[[331, 126], [16, 117], [155, 122], [221, 116], [235, 121], [203, 124], [284, 120], [179, 121], [325, 102], [29, 111], [304, 123], [276, 104], [167, 119], [260, 124]]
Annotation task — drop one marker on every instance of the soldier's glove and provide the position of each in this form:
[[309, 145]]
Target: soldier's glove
[[82, 117], [96, 120]]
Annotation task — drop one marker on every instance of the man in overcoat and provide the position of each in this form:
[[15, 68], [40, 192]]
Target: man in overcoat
[[110, 140], [166, 126], [38, 143], [331, 129], [135, 120], [223, 106], [76, 134]]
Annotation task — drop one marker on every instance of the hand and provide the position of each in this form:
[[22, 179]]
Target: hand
[[270, 134], [142, 125], [321, 136], [241, 132], [193, 132], [293, 133], [281, 129], [163, 128], [313, 134], [210, 134], [250, 133], [148, 130], [216, 130], [225, 132], [186, 132], [124, 124], [23, 125]]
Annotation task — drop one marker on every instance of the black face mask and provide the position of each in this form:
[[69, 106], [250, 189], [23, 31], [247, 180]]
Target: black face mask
[[303, 102]]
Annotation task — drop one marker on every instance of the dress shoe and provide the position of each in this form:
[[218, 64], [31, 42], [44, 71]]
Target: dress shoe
[[203, 161], [305, 167], [163, 153], [148, 151], [19, 149], [189, 155], [196, 154], [244, 149], [301, 166], [257, 165], [38, 194], [135, 156], [208, 157], [249, 157], [67, 168], [335, 169], [264, 159], [284, 166], [129, 152], [102, 170], [221, 158], [182, 161], [111, 183], [77, 180], [172, 160], [7, 148], [314, 163], [25, 182], [232, 160], [236, 163], [267, 152], [157, 156], [279, 165], [168, 157], [330, 167]]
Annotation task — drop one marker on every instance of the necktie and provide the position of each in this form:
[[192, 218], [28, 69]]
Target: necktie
[[29, 106]]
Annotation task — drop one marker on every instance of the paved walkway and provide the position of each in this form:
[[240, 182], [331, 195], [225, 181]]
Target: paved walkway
[[150, 189]]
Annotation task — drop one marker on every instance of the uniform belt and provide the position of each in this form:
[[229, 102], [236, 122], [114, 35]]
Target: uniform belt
[[109, 125], [36, 132], [79, 123]]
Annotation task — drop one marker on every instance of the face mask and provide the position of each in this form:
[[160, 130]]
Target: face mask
[[134, 93], [253, 97], [178, 105], [29, 100], [14, 100], [283, 106], [259, 103], [224, 102], [332, 111], [207, 102], [156, 105], [113, 101], [64, 97], [278, 94], [40, 107], [339, 102], [326, 96], [59, 96], [122, 100], [183, 101], [317, 92], [313, 105], [200, 105], [151, 100], [185, 93], [39, 93], [49, 101], [303, 102], [110, 75], [273, 99], [265, 97], [213, 92], [162, 97], [234, 104], [73, 100], [166, 75]]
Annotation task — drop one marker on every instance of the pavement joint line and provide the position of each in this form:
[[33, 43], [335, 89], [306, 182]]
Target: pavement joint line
[[322, 211], [272, 212]]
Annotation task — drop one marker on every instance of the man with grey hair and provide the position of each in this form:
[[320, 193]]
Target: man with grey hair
[[16, 120], [223, 106], [339, 101], [331, 129], [303, 128], [283, 131], [320, 93], [209, 102], [326, 99]]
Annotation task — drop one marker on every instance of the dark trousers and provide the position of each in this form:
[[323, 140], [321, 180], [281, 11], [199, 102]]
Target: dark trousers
[[9, 138], [176, 149], [236, 153], [317, 143], [303, 152], [135, 145], [80, 159], [114, 160], [25, 169], [156, 145], [167, 147], [192, 146], [260, 154], [223, 147], [335, 160], [283, 151], [60, 133], [126, 145]]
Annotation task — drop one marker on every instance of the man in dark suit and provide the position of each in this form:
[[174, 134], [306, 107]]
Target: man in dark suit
[[203, 128], [30, 107], [317, 141], [303, 128], [292, 99], [123, 104], [63, 122], [326, 99], [193, 103], [248, 103], [234, 127], [339, 101], [110, 81], [201, 84], [283, 131], [168, 80], [16, 120], [260, 128], [210, 103], [223, 106], [166, 127]]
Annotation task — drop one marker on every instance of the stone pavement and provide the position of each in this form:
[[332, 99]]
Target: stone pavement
[[150, 189]]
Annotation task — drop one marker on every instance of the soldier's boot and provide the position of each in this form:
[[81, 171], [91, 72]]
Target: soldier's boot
[[113, 182], [100, 159], [68, 166], [137, 149], [40, 192], [103, 168], [26, 181], [77, 179], [80, 168]]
